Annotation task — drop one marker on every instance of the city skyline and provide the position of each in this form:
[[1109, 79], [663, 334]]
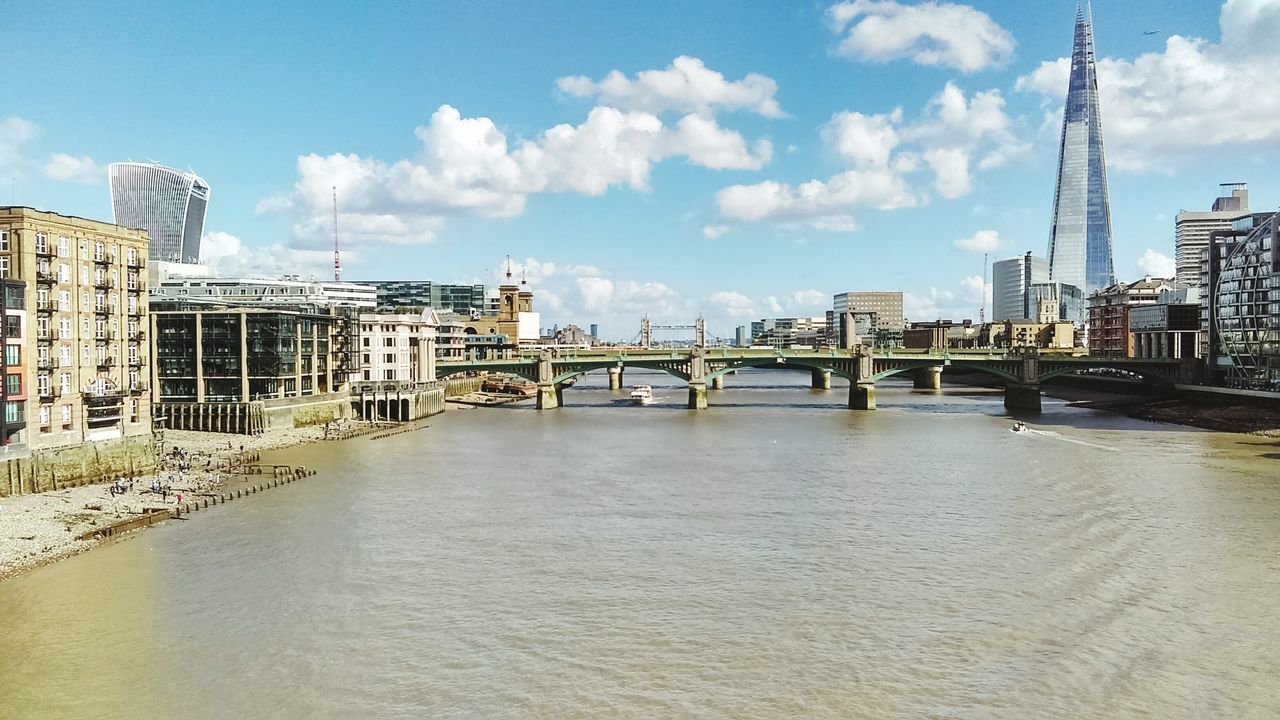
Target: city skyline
[[762, 162]]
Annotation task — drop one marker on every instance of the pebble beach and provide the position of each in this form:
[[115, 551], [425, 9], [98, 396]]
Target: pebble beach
[[38, 529]]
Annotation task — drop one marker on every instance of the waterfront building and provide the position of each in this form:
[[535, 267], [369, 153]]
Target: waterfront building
[[169, 204], [1080, 232], [76, 358], [1170, 328], [427, 294], [290, 289], [943, 334], [240, 368], [1192, 229], [451, 337], [785, 332], [1110, 332], [397, 366], [1011, 281], [1243, 298], [1031, 332]]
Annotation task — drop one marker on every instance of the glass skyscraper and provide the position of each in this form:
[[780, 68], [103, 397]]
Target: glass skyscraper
[[1080, 237], [169, 204]]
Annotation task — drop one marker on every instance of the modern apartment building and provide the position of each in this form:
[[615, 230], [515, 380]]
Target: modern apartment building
[[75, 322], [1080, 231], [1011, 282], [169, 204], [1191, 230], [1170, 328], [1242, 304]]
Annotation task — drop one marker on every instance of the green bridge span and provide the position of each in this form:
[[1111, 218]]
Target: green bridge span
[[1022, 369]]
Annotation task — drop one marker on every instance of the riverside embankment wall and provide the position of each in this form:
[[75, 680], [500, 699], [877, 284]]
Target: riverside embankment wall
[[76, 464]]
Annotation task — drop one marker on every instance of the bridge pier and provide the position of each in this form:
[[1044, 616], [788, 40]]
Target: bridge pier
[[820, 379], [717, 382], [927, 378], [862, 396], [697, 396], [1022, 396], [550, 396], [615, 378]]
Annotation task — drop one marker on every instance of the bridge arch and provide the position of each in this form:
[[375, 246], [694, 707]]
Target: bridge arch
[[1148, 374], [980, 367], [778, 362]]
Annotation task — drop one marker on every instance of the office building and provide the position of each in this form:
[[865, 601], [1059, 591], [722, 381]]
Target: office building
[[76, 356], [1170, 328], [397, 367], [288, 290], [427, 294], [1080, 233], [873, 318], [1191, 230], [1070, 303], [1011, 281], [786, 332], [169, 204]]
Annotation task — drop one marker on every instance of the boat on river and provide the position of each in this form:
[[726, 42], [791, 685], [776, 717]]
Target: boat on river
[[641, 395]]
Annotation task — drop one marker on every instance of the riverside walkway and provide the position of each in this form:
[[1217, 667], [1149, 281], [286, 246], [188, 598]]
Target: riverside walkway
[[1022, 369]]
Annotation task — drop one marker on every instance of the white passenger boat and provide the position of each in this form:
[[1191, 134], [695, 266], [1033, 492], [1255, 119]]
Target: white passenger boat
[[641, 395]]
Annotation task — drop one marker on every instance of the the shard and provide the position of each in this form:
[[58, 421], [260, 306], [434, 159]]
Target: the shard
[[1080, 237]]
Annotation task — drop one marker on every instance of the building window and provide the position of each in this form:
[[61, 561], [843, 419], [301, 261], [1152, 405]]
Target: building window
[[64, 382], [42, 243], [389, 342], [12, 354], [66, 417], [64, 328], [13, 384], [64, 356], [64, 247], [84, 274], [4, 266], [389, 358], [389, 374], [64, 273], [44, 414], [97, 251], [13, 326], [4, 241]]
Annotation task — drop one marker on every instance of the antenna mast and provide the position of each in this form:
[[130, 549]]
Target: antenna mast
[[337, 262], [982, 314]]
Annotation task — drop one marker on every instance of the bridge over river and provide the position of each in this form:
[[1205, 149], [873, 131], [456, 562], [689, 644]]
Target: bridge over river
[[1022, 369]]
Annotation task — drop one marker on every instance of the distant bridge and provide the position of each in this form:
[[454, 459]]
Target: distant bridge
[[1022, 369]]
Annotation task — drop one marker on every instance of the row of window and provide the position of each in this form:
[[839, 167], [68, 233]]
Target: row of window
[[101, 250]]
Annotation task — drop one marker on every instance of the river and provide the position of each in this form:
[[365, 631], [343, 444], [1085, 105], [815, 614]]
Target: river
[[777, 556]]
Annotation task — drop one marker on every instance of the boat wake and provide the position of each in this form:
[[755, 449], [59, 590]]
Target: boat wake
[[1060, 436]]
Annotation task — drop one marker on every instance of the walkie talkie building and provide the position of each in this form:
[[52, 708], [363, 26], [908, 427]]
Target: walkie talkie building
[[1080, 237], [170, 204]]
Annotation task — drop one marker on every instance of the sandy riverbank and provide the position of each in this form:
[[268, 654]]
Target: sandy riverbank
[[38, 529]]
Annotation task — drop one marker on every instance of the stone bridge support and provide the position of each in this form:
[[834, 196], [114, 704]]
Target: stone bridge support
[[1024, 393], [820, 379], [862, 390], [615, 378], [550, 393], [927, 378], [698, 379], [717, 382]]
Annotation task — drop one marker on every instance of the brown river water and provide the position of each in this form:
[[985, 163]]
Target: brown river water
[[777, 556]]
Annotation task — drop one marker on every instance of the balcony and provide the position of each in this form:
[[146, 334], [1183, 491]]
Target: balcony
[[106, 362], [45, 250], [104, 283], [45, 363], [105, 336], [44, 307], [137, 388], [138, 336], [101, 310], [103, 259], [135, 362], [137, 263], [45, 278], [49, 393]]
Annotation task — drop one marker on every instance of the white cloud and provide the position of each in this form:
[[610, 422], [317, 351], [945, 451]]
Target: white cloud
[[228, 256], [734, 304], [75, 169], [686, 86], [14, 133], [465, 166], [714, 231], [823, 205], [981, 241], [962, 302], [1165, 108], [883, 150], [1157, 264], [930, 33]]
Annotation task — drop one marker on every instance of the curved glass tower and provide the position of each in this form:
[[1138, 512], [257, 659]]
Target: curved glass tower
[[1080, 237], [169, 204]]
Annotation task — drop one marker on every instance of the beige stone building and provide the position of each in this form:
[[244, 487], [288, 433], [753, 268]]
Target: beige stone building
[[84, 355]]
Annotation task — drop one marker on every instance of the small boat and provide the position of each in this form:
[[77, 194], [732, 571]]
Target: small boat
[[641, 395], [1020, 427]]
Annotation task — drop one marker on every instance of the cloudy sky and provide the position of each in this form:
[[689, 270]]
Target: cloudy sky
[[734, 160]]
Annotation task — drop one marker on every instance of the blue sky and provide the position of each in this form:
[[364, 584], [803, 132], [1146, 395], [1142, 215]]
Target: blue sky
[[747, 160]]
